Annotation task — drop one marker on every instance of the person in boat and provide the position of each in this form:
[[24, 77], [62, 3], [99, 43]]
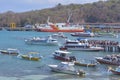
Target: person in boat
[[108, 57], [72, 58]]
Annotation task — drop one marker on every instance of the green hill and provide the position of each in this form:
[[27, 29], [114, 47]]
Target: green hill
[[97, 12]]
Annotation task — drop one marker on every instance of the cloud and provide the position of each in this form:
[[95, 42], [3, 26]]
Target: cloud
[[70, 1], [27, 5]]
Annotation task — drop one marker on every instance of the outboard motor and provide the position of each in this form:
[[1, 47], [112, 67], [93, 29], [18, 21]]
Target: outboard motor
[[81, 72]]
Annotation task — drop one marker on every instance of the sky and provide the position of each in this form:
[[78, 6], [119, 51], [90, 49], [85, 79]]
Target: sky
[[28, 5]]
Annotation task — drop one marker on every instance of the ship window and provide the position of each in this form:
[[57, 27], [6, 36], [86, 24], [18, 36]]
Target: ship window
[[63, 55], [56, 53], [57, 25]]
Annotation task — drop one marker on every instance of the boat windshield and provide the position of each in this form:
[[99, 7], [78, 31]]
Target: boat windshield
[[66, 66]]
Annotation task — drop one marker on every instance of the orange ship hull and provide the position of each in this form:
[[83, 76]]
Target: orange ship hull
[[52, 30]]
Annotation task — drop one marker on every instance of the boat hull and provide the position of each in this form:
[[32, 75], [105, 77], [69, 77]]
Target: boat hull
[[84, 64], [115, 72]]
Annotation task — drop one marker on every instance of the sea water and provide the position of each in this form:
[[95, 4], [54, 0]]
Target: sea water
[[14, 68]]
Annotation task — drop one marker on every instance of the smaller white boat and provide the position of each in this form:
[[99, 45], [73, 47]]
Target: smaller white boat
[[67, 68], [42, 41], [10, 51], [83, 34]]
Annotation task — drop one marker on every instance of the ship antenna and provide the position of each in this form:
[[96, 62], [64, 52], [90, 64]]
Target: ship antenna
[[48, 20], [68, 20]]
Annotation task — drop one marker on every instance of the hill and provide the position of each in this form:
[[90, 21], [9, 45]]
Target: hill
[[97, 12]]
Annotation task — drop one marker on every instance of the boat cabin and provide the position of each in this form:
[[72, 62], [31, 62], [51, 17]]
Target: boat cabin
[[61, 53], [66, 65]]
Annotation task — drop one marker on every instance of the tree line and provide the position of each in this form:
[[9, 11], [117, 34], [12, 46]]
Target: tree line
[[97, 12]]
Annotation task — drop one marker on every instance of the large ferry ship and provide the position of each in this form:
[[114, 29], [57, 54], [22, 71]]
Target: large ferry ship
[[59, 27]]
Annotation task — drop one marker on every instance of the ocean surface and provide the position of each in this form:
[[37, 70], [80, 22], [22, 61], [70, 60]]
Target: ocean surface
[[14, 68]]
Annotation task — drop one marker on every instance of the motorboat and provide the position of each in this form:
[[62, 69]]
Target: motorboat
[[83, 34], [109, 59], [63, 55], [10, 51], [42, 41], [114, 71], [77, 45], [33, 56], [67, 68], [86, 63]]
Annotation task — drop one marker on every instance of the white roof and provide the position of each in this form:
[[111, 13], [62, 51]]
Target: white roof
[[60, 51]]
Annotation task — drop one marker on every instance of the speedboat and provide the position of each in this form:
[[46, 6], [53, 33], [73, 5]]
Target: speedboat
[[63, 55], [33, 56], [10, 51], [115, 71], [42, 41], [79, 46], [67, 68], [109, 59]]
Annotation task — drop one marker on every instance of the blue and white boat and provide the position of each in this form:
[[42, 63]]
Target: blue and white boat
[[42, 41]]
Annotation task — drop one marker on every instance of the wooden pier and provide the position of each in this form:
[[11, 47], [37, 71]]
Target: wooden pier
[[109, 46]]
